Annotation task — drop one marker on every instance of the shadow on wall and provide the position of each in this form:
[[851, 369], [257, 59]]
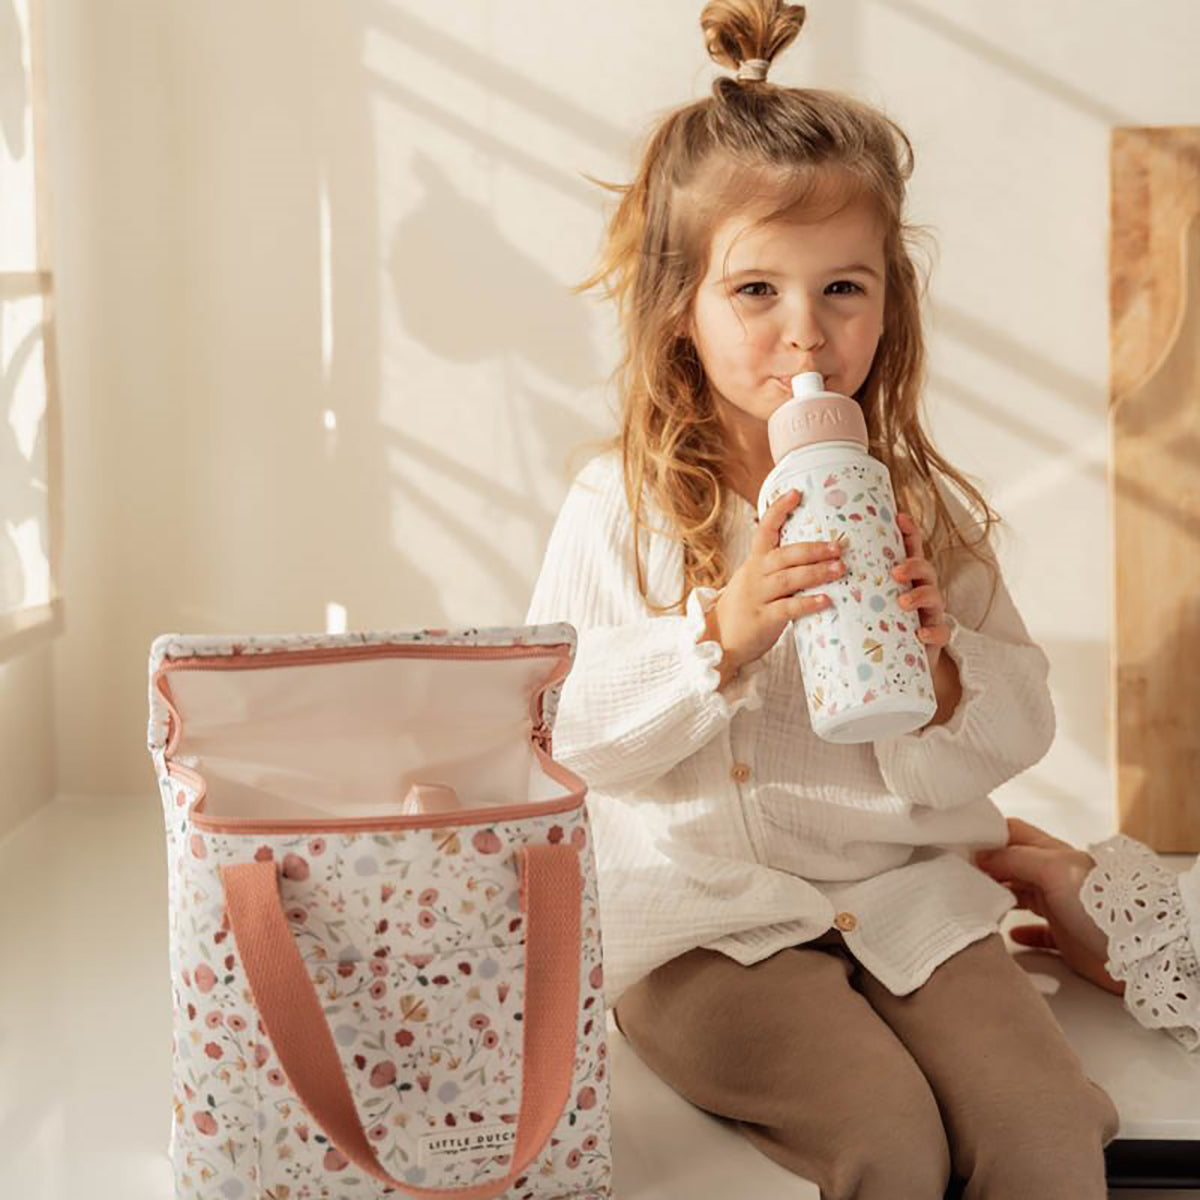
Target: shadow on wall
[[14, 87], [22, 484], [1068, 386], [295, 179], [1161, 696], [286, 289], [471, 296], [308, 192], [995, 54], [1082, 669], [1085, 663]]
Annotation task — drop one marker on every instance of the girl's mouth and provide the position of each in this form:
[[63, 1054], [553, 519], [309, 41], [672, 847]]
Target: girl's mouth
[[786, 380]]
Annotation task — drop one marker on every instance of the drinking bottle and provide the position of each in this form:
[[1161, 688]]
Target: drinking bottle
[[866, 673]]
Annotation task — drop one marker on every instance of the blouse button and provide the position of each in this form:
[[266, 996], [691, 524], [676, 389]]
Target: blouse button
[[740, 772], [846, 921]]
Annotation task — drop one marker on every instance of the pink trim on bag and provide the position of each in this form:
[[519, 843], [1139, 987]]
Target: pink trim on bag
[[551, 886], [466, 816], [540, 739], [242, 662]]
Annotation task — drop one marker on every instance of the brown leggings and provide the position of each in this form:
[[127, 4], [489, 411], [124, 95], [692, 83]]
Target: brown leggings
[[873, 1096]]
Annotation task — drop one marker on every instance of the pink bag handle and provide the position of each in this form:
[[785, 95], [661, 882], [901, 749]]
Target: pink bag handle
[[551, 887]]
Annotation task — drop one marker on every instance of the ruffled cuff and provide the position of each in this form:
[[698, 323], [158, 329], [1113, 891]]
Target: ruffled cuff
[[1003, 723], [970, 657], [1136, 901], [702, 659]]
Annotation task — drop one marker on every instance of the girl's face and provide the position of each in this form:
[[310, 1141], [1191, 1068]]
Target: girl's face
[[803, 294]]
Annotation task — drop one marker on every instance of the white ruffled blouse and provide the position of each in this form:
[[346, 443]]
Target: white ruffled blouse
[[719, 818]]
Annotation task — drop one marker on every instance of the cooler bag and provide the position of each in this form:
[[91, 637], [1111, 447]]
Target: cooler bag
[[384, 932]]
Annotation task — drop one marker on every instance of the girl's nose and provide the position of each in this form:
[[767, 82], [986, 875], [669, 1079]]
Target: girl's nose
[[808, 343], [807, 339], [804, 330]]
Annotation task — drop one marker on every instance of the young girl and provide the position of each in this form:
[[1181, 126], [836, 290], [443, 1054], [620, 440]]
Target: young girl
[[794, 937]]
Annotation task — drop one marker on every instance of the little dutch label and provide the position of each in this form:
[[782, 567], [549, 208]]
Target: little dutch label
[[470, 1143]]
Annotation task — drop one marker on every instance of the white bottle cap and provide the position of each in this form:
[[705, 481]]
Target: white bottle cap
[[806, 384]]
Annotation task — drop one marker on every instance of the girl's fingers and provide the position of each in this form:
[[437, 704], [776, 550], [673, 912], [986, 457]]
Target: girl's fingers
[[912, 569], [789, 581], [799, 554], [928, 599], [789, 608], [934, 635], [766, 533], [913, 546]]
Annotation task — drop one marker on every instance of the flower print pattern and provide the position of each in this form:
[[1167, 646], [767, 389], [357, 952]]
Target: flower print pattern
[[426, 1012], [294, 867], [863, 648], [230, 1110], [486, 842], [205, 1122]]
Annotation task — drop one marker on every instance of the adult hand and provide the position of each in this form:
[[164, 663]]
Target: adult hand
[[1046, 874]]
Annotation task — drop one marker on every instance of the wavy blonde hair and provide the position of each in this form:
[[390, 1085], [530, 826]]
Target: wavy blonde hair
[[786, 147]]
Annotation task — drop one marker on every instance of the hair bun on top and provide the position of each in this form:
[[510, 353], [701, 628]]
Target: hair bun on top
[[747, 34]]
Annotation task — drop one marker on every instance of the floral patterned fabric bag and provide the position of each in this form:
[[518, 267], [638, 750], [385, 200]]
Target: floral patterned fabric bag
[[384, 934]]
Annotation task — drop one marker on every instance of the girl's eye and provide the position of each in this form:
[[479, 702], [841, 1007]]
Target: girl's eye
[[854, 288], [756, 284]]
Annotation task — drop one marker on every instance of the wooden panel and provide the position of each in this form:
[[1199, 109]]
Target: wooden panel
[[1155, 482]]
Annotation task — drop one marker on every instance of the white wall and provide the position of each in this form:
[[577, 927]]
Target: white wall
[[26, 736], [209, 323]]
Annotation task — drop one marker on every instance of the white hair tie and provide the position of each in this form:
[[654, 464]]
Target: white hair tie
[[753, 68]]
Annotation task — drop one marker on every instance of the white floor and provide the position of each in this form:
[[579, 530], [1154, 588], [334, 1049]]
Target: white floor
[[85, 1033]]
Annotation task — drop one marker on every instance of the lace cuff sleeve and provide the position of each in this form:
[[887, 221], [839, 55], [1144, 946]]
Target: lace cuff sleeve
[[702, 659], [1136, 901]]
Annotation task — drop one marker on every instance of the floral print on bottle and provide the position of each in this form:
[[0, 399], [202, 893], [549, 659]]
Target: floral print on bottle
[[864, 647]]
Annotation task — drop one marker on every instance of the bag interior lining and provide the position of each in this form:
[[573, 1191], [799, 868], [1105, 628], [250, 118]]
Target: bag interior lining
[[347, 740]]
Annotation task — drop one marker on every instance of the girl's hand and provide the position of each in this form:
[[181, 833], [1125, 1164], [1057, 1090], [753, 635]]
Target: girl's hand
[[1045, 875], [769, 589], [927, 599]]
